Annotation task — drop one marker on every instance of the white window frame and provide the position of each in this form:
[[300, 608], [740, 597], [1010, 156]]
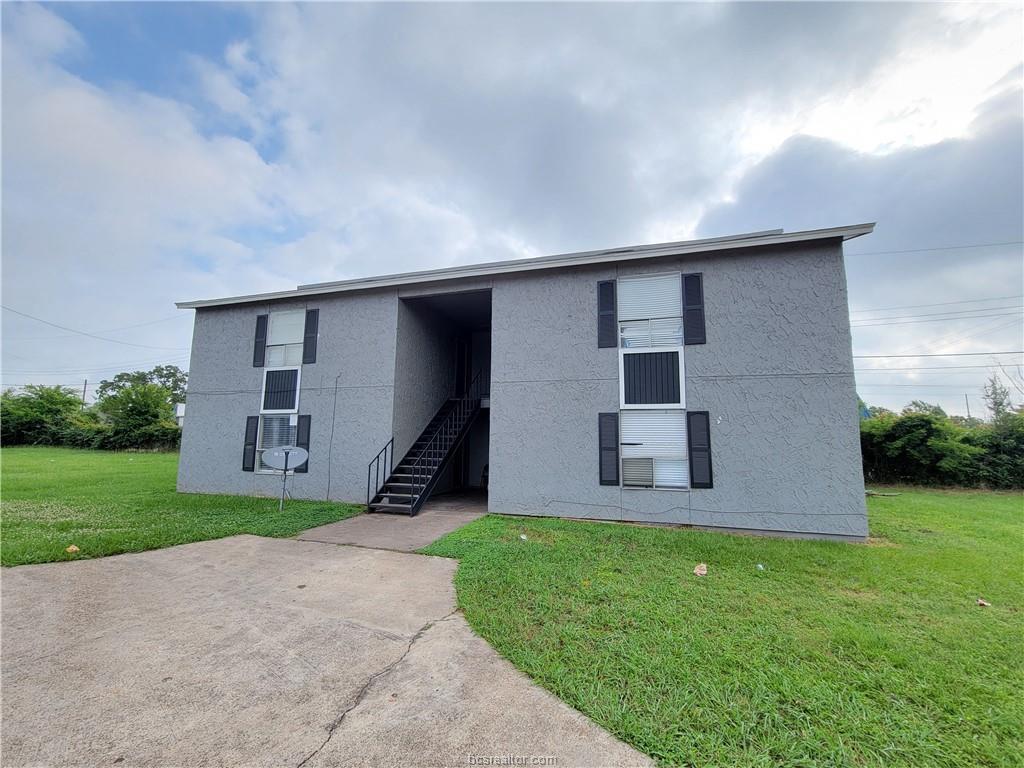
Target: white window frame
[[276, 412], [680, 406], [263, 391], [623, 405], [623, 351], [654, 486]]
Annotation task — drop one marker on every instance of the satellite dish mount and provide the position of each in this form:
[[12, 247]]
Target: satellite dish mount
[[285, 459]]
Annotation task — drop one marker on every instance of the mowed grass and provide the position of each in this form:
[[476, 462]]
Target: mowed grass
[[106, 503], [832, 655]]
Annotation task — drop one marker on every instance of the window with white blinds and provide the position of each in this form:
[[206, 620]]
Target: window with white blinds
[[286, 327], [653, 446], [284, 338], [275, 432], [649, 297]]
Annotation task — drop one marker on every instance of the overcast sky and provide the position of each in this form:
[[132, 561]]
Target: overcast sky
[[161, 152]]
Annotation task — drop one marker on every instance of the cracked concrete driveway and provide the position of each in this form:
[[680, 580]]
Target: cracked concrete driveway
[[255, 651]]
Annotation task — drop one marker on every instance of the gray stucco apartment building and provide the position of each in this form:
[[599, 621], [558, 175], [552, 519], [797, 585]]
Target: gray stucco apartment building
[[706, 383]]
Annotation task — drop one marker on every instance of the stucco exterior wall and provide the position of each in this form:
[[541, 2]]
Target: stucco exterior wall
[[424, 371], [348, 393], [775, 375]]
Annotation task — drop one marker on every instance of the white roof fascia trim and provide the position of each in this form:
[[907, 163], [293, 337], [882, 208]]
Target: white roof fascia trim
[[487, 269]]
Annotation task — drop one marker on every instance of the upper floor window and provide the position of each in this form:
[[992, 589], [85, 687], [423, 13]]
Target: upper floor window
[[650, 315], [284, 338]]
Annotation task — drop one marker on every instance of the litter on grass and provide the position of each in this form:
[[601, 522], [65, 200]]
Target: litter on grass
[[522, 536], [701, 570], [984, 603]]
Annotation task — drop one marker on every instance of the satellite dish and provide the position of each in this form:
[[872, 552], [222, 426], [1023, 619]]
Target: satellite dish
[[277, 457]]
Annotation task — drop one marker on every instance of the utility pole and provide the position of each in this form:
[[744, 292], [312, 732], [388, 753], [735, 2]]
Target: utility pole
[[84, 385], [968, 404]]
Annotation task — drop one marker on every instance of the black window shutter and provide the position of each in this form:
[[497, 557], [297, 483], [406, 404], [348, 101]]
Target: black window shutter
[[698, 435], [259, 350], [693, 309], [606, 330], [302, 440], [252, 428], [608, 447], [309, 337]]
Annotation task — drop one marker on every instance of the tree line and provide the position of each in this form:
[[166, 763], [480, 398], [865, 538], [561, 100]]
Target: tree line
[[923, 445], [132, 410]]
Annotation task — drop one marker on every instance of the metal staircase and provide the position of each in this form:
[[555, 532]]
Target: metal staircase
[[407, 486]]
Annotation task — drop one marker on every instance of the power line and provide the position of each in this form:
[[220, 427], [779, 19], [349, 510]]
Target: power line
[[113, 367], [940, 354], [967, 312], [928, 320], [89, 335], [107, 330], [926, 386], [938, 304], [918, 368], [939, 248], [984, 329]]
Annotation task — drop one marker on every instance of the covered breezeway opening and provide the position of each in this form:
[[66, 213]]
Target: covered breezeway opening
[[441, 402]]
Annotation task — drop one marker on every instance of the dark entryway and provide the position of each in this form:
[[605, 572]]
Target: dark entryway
[[441, 402]]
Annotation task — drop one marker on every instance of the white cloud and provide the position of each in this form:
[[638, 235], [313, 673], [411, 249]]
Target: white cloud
[[337, 140]]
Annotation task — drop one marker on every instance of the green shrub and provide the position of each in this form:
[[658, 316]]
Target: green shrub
[[38, 415], [927, 448], [1001, 464], [164, 435], [138, 414], [85, 430]]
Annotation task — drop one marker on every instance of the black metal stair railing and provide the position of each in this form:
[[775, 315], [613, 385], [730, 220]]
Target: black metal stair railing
[[424, 468], [373, 469]]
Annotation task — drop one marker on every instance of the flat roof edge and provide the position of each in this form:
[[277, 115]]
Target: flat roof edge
[[582, 258]]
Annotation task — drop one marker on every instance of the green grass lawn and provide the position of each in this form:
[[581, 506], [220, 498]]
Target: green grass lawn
[[107, 503], [832, 655]]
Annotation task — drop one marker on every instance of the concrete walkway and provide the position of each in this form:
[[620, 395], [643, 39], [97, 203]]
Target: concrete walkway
[[254, 651], [402, 533]]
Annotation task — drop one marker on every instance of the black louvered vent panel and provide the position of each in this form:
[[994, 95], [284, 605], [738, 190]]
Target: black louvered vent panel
[[280, 390], [651, 378]]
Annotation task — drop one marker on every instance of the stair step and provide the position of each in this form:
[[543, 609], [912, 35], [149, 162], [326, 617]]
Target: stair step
[[403, 508]]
